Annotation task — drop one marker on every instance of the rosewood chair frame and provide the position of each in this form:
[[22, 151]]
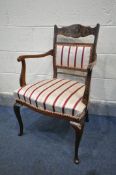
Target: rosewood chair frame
[[74, 31]]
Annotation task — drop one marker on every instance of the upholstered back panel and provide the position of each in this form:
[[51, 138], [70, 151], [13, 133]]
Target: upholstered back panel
[[73, 55]]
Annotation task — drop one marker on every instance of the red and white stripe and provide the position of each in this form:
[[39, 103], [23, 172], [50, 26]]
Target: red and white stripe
[[38, 88], [68, 98], [73, 55], [82, 57], [46, 90], [68, 59], [28, 87], [56, 95], [75, 105], [24, 95], [62, 54], [54, 91], [56, 99]]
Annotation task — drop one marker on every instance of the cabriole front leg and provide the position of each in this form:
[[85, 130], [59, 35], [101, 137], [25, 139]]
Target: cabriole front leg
[[18, 116], [78, 134]]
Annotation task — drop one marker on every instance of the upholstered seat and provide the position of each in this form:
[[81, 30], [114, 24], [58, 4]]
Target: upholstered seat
[[56, 95]]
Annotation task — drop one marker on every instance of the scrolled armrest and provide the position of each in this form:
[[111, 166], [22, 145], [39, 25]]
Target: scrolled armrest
[[91, 65], [23, 70], [23, 57]]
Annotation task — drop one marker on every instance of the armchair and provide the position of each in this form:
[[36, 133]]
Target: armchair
[[61, 97]]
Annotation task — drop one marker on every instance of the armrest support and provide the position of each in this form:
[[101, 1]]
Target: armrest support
[[88, 81], [23, 57], [23, 69], [87, 87]]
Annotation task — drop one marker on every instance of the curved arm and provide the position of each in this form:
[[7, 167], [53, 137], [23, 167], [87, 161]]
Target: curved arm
[[23, 57], [91, 65], [23, 70]]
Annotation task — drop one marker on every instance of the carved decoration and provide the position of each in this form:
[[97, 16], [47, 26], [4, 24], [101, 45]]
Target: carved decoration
[[76, 31]]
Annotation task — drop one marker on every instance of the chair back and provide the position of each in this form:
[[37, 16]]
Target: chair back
[[70, 54]]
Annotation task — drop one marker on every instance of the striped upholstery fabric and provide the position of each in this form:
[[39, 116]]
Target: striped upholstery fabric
[[56, 95], [75, 55]]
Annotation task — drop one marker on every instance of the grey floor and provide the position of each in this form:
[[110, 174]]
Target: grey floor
[[46, 148]]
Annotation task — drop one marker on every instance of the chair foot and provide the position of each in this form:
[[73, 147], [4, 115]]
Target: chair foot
[[21, 133], [76, 161], [18, 116], [78, 136]]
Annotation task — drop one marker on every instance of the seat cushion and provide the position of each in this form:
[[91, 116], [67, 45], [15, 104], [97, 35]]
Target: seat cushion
[[56, 95]]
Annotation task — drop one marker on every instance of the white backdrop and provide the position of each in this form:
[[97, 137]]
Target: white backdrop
[[26, 26]]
